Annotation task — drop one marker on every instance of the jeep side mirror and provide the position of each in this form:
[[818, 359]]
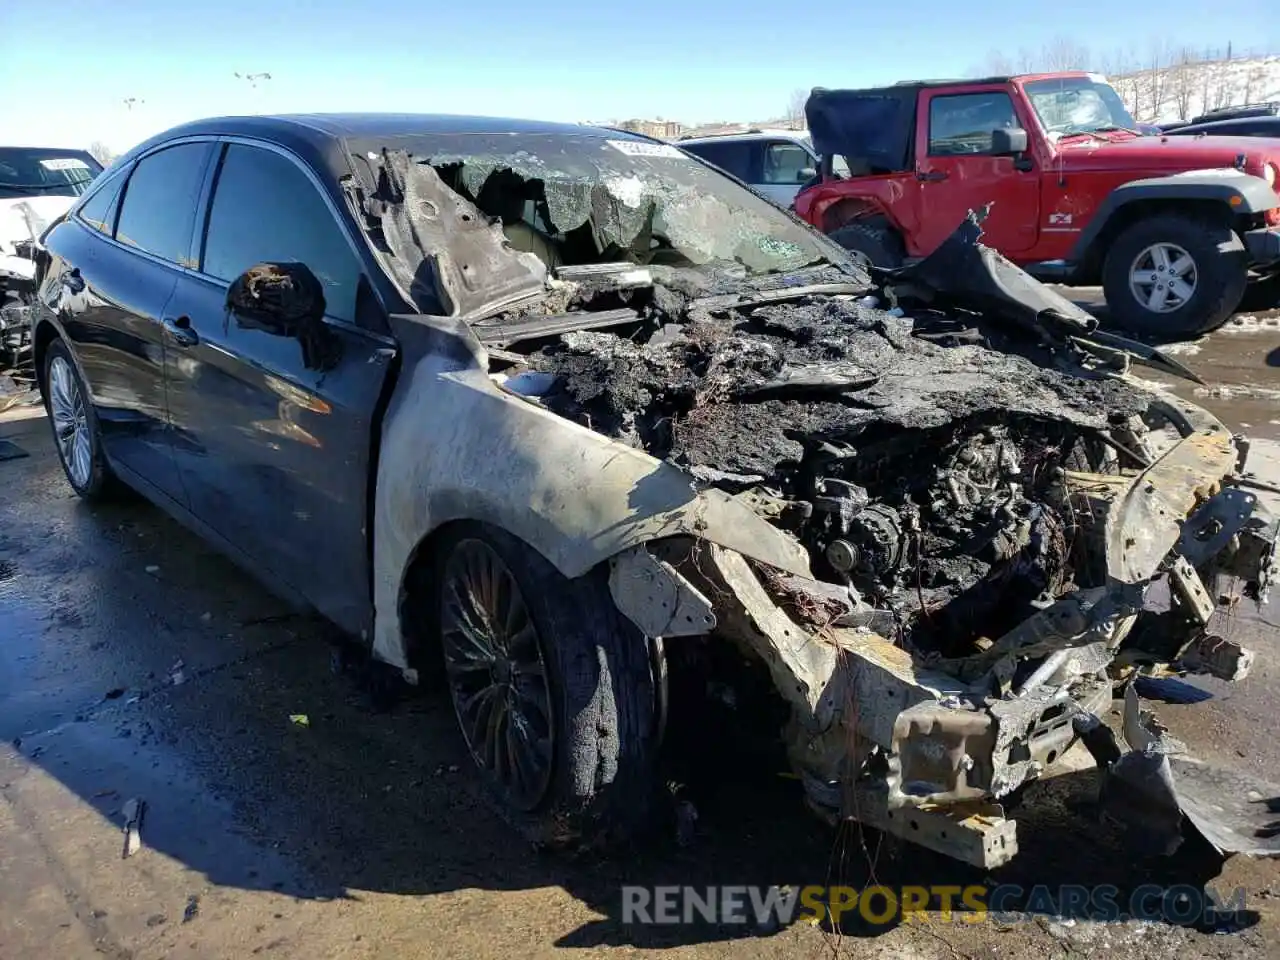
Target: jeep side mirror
[[805, 175], [1008, 141]]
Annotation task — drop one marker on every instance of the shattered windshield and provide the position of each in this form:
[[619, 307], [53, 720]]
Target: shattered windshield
[[31, 172], [578, 200], [1074, 105]]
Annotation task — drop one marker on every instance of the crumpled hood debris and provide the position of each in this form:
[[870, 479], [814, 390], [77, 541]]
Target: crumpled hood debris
[[741, 393], [24, 220]]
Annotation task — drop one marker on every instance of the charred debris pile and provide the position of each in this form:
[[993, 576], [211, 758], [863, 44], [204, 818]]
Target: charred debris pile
[[915, 451], [909, 429]]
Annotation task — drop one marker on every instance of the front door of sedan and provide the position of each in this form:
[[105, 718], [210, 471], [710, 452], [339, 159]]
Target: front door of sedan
[[274, 445], [114, 315]]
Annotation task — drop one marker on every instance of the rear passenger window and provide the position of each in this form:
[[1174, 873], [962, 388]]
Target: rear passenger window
[[734, 158], [266, 209], [159, 207], [99, 211]]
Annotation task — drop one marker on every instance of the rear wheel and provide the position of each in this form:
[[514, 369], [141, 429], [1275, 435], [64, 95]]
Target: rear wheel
[[1174, 276], [871, 243], [552, 688], [76, 433]]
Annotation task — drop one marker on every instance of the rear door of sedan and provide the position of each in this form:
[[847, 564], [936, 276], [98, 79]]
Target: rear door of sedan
[[121, 256], [274, 440]]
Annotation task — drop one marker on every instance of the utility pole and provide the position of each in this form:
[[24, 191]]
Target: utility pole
[[129, 102]]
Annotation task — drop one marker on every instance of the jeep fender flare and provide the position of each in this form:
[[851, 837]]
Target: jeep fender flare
[[1236, 191], [832, 213]]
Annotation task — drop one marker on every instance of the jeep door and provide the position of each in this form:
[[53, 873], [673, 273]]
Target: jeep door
[[275, 437], [958, 173]]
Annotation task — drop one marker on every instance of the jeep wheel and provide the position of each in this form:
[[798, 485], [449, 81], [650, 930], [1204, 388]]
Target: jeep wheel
[[870, 244], [552, 688], [1172, 275]]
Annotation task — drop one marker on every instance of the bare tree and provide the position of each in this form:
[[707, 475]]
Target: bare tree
[[101, 152], [1182, 78], [1254, 81], [1119, 67], [1208, 74], [997, 64], [1158, 60], [1063, 53], [1222, 86], [795, 108]]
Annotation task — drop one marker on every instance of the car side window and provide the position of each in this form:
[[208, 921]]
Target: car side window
[[784, 162], [159, 206], [265, 209], [99, 211], [732, 157], [961, 125]]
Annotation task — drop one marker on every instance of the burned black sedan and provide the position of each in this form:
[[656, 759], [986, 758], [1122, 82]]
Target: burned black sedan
[[545, 410]]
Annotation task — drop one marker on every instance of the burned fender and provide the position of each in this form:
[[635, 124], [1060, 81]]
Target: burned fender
[[1153, 786], [455, 446]]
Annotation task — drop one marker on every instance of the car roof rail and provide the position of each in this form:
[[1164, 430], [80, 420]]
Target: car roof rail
[[1265, 108]]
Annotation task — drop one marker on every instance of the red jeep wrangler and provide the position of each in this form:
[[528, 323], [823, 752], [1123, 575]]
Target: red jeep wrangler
[[1173, 228]]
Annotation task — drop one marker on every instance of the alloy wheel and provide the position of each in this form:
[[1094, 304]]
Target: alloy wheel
[[70, 422], [1163, 277], [496, 672]]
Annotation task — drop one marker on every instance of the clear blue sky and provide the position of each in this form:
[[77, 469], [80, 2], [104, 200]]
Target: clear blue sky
[[67, 67]]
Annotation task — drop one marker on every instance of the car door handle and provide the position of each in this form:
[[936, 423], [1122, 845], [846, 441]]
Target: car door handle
[[179, 329], [931, 176]]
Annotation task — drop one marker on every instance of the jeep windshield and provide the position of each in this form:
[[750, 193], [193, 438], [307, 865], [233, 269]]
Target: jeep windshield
[[1068, 106], [590, 199], [35, 172]]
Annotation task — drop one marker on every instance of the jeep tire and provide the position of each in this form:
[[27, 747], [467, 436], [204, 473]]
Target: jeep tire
[[1151, 288], [871, 242]]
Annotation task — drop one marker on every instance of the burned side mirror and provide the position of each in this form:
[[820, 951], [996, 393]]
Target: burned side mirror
[[1008, 142], [277, 298], [285, 300]]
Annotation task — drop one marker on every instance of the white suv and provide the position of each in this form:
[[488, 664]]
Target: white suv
[[776, 163]]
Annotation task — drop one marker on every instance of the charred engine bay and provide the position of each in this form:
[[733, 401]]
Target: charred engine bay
[[916, 456]]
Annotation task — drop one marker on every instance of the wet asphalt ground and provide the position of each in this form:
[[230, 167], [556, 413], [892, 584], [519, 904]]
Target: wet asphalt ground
[[292, 811]]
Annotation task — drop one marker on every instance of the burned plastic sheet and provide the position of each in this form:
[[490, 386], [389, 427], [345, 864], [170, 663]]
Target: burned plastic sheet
[[965, 274]]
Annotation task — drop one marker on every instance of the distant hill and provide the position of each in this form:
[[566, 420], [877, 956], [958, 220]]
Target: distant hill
[[1189, 88]]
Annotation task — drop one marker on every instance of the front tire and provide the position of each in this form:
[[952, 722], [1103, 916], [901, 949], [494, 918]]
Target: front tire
[[552, 688], [871, 243], [77, 435], [1174, 276]]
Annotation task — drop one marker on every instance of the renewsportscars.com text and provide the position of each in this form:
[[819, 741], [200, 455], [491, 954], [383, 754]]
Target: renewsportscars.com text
[[1182, 905]]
